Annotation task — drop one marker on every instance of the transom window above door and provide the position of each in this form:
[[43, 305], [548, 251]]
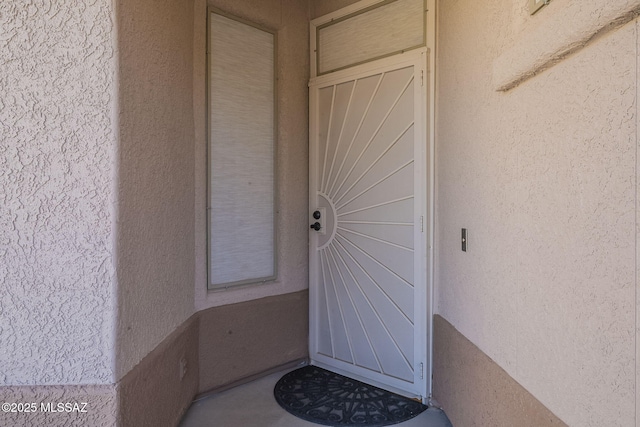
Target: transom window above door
[[384, 28]]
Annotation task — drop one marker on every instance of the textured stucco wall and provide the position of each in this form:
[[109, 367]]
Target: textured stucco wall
[[157, 391], [155, 240], [248, 338], [544, 178], [475, 391], [637, 112], [100, 409], [57, 144], [290, 19], [540, 43]]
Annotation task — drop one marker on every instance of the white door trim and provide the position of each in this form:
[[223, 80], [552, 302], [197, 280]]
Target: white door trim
[[430, 84]]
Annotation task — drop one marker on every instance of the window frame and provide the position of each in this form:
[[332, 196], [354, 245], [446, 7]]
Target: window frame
[[275, 202], [359, 8]]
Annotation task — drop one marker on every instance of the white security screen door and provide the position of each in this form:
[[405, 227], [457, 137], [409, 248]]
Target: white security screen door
[[368, 216]]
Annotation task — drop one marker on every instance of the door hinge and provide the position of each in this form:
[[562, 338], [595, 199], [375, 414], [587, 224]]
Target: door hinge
[[422, 78], [422, 224], [421, 370]]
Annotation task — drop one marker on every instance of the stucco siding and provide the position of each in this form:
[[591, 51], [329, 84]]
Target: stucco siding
[[475, 391], [57, 144], [637, 112], [543, 176], [92, 405], [155, 240]]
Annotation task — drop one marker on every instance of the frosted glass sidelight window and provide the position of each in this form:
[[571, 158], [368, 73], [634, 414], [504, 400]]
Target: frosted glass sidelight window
[[384, 29], [241, 153]]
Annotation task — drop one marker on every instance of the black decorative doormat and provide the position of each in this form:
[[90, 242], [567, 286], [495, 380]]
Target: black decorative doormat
[[323, 397]]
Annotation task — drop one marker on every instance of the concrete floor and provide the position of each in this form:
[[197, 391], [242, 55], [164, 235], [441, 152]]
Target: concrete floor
[[253, 405]]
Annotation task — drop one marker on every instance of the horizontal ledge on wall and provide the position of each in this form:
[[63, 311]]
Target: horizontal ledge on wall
[[562, 34]]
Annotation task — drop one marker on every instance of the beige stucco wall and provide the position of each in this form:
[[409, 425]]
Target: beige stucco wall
[[475, 391], [290, 19], [543, 176], [249, 338], [57, 142], [155, 240], [159, 390], [637, 277], [96, 405], [535, 44]]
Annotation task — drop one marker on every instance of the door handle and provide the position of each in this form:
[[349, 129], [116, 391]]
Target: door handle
[[316, 226]]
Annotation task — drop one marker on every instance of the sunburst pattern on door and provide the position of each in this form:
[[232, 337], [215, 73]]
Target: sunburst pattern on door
[[365, 188]]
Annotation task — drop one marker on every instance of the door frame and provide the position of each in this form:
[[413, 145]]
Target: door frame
[[420, 58]]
